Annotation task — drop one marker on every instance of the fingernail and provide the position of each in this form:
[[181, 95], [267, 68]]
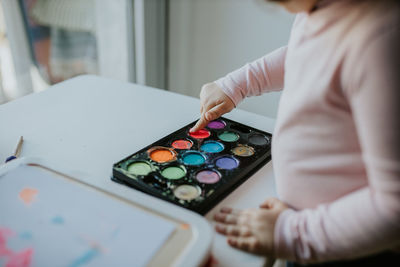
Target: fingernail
[[231, 241], [219, 227], [219, 217], [226, 209]]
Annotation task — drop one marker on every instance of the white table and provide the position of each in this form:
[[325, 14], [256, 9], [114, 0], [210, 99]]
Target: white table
[[86, 124]]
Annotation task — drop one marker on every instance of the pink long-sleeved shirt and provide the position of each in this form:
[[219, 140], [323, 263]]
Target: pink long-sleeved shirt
[[336, 145]]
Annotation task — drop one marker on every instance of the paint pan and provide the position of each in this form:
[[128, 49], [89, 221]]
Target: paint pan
[[217, 124], [208, 176], [193, 158], [228, 136], [173, 172], [227, 162], [139, 168], [200, 134], [187, 192], [259, 140], [243, 151], [212, 147], [162, 154], [196, 170], [182, 144]]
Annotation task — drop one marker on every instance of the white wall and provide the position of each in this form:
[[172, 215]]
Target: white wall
[[209, 38]]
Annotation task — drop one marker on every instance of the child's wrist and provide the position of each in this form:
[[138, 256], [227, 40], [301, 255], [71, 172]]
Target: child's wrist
[[280, 248]]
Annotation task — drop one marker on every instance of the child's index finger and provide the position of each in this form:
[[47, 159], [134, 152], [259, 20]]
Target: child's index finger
[[201, 123]]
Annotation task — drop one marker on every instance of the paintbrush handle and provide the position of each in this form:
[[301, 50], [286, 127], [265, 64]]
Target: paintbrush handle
[[19, 147], [17, 151]]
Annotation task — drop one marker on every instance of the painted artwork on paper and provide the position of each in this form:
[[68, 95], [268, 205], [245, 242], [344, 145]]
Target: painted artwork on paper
[[48, 220]]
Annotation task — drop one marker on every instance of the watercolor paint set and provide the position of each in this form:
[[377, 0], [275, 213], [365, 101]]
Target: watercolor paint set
[[197, 170]]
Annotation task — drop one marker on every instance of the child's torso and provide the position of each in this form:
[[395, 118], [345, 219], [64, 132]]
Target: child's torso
[[316, 153]]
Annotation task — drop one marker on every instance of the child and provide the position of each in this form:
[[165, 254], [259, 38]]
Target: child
[[336, 148]]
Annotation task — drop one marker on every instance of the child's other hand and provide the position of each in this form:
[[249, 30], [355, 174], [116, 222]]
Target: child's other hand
[[213, 104], [251, 230]]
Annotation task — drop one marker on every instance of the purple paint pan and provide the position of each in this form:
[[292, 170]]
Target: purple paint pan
[[227, 162], [217, 124]]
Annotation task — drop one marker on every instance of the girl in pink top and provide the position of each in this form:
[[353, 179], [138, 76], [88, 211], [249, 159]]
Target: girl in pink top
[[336, 148]]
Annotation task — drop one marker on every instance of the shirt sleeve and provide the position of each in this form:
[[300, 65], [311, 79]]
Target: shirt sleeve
[[263, 75], [367, 220]]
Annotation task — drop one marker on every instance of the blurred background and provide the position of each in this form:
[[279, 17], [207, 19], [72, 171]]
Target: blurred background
[[176, 45]]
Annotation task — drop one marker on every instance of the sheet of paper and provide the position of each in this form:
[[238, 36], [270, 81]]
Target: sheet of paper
[[51, 221]]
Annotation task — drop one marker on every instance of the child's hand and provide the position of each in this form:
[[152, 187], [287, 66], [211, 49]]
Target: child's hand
[[251, 230], [213, 104]]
